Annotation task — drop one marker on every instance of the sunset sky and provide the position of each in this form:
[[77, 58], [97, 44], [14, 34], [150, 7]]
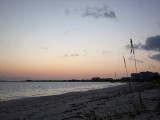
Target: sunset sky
[[77, 39]]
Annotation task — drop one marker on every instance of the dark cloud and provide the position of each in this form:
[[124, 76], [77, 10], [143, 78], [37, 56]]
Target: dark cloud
[[97, 12], [105, 52], [155, 57], [132, 59], [152, 43]]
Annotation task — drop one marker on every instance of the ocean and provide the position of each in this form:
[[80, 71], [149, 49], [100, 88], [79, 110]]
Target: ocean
[[19, 90]]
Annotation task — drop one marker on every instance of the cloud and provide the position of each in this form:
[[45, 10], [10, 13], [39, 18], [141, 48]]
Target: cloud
[[71, 55], [96, 12], [67, 11], [85, 51], [105, 52], [67, 33], [136, 46], [75, 54], [152, 43], [155, 57], [44, 48], [152, 66], [65, 55], [132, 59]]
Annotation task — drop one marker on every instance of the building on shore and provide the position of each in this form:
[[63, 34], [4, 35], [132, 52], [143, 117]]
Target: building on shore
[[145, 76], [135, 76], [126, 78], [98, 79]]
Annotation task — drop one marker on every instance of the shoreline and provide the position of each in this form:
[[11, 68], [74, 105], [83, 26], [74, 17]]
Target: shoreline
[[54, 91], [27, 99], [75, 105]]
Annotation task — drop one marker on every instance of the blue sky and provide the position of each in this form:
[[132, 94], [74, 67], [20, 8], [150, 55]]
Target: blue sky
[[65, 39]]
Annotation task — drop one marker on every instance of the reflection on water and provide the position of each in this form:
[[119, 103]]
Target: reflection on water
[[16, 90]]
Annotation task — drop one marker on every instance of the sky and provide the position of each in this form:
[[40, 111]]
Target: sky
[[77, 39]]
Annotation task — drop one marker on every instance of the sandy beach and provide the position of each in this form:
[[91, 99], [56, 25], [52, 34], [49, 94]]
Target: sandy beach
[[120, 102]]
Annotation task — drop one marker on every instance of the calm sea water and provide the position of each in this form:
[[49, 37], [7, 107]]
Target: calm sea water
[[18, 90]]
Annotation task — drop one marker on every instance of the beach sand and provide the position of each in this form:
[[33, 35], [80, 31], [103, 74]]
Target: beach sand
[[118, 102]]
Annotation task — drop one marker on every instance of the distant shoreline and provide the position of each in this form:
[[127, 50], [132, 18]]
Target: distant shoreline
[[18, 90], [67, 81], [63, 94]]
